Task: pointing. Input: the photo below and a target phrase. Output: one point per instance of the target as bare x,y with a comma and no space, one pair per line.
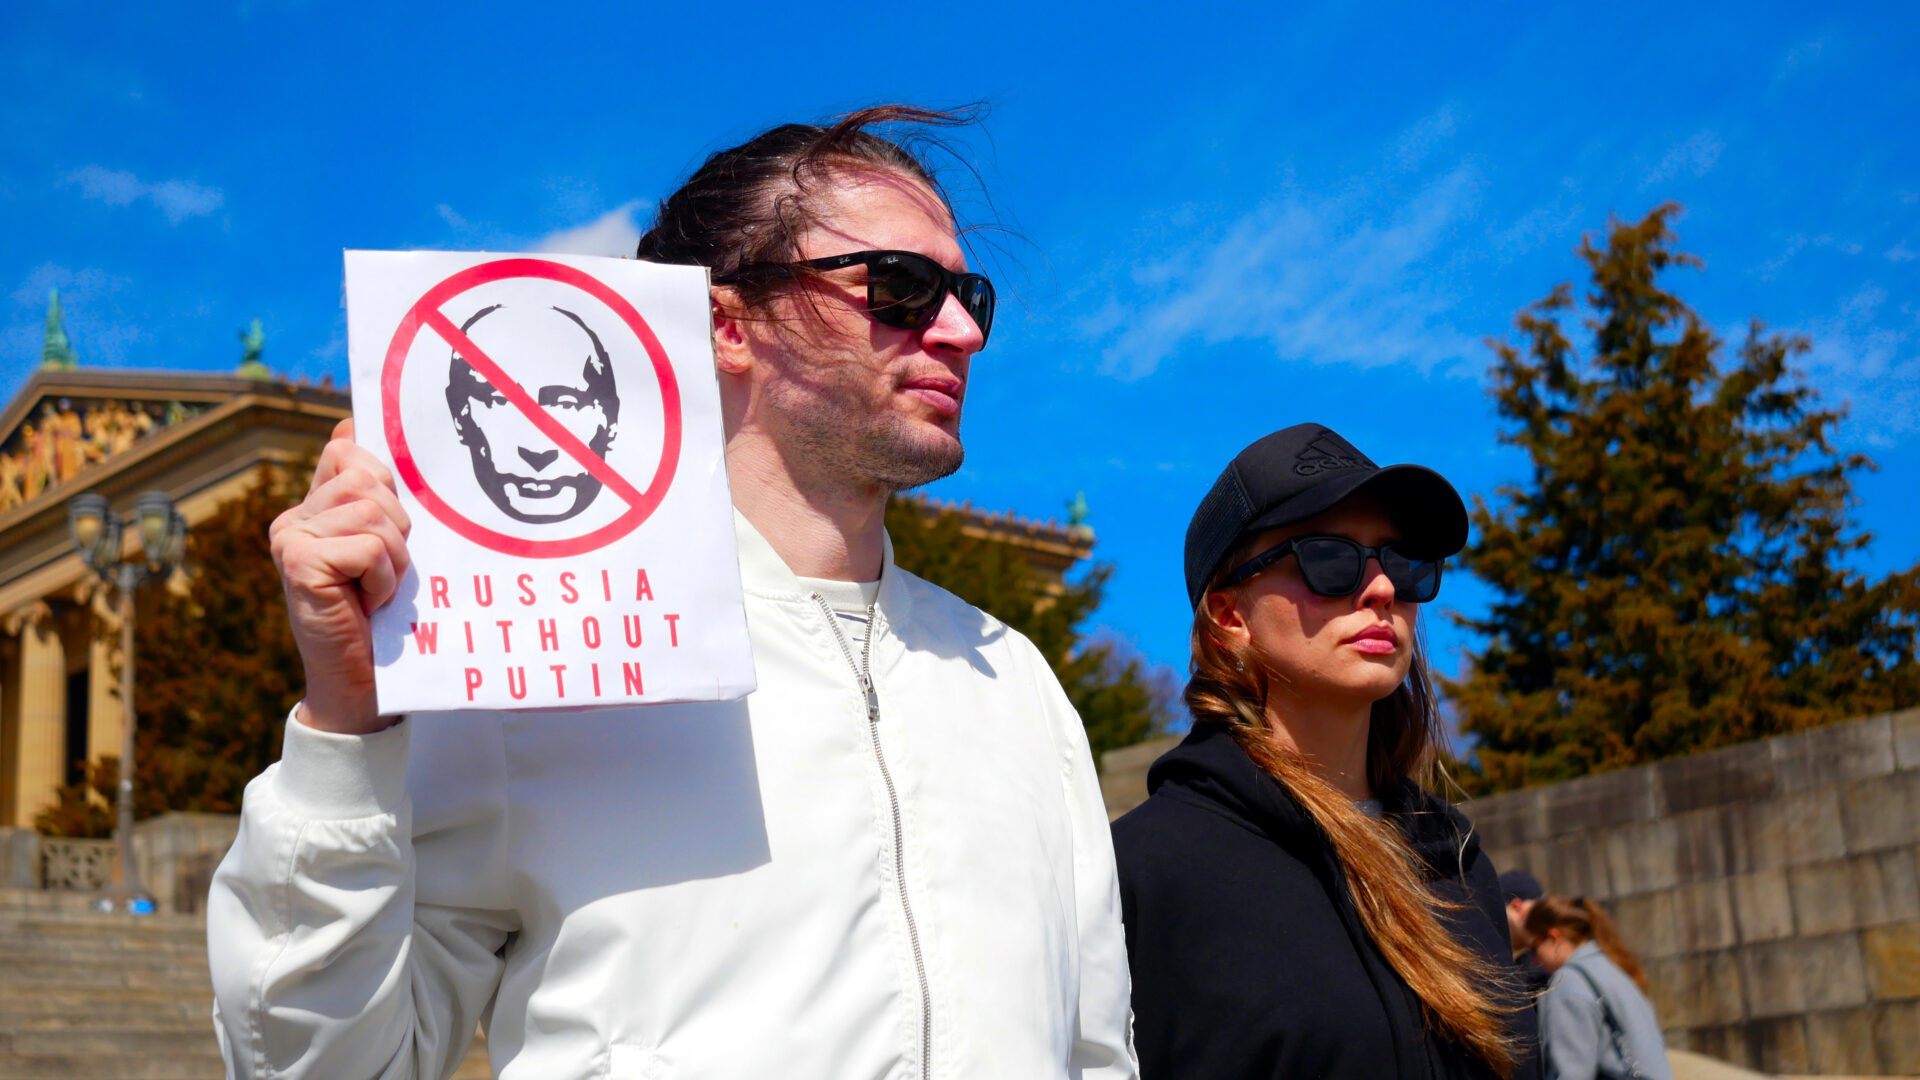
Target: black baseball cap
1520,885
1300,471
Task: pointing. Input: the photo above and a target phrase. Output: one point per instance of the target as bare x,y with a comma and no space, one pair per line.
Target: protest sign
553,425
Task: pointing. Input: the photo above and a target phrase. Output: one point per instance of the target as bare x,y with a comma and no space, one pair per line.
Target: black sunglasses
904,288
1335,566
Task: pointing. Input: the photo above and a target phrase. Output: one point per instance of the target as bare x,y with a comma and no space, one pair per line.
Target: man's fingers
354,484
361,517
342,455
330,568
344,429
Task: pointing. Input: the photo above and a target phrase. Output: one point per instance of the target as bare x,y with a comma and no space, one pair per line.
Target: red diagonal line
551,428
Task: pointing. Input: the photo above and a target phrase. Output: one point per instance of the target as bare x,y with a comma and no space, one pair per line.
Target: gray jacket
1574,1031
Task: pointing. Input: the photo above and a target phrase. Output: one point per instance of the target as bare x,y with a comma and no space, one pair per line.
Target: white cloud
1695,157
1805,54
1867,354
1423,138
451,216
1319,278
177,199
612,233
1900,253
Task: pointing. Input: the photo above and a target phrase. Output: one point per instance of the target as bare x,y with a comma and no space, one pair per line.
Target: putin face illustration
559,361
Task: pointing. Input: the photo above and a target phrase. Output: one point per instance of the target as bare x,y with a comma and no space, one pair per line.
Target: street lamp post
96,533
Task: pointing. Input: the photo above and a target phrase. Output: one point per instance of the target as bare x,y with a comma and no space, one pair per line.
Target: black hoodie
1248,957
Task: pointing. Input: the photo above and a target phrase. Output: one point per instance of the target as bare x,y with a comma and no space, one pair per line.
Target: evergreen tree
1120,698
1676,574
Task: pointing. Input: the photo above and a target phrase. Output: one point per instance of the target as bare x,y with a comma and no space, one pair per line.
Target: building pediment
64,423
195,436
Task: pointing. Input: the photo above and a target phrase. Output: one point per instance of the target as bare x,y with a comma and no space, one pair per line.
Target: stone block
1778,1045
1595,802
1703,917
1732,774
1841,1042
19,858
176,854
1835,754
1893,960
1723,1042
1881,812
1575,866
1702,849
1800,828
1696,991
1640,857
1896,1035
1762,906
1906,740
1886,886
1507,820
1648,924
1784,978
1823,897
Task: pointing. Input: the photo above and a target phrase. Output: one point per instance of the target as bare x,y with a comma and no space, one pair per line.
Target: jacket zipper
862,671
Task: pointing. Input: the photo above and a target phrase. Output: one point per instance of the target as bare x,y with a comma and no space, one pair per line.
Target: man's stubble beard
837,442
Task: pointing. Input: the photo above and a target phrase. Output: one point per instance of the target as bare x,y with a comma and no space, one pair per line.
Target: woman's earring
1239,664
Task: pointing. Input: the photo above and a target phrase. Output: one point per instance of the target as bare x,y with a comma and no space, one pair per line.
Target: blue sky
1222,221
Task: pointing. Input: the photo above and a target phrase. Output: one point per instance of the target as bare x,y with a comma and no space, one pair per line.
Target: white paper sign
553,424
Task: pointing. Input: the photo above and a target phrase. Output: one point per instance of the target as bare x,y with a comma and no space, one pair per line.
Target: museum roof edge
136,383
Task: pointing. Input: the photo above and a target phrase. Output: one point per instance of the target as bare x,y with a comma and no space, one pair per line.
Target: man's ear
1223,607
732,349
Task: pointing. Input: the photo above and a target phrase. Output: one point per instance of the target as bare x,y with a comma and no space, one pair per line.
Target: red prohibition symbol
427,312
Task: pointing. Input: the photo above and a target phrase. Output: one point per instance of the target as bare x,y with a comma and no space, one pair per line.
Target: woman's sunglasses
904,289
1336,566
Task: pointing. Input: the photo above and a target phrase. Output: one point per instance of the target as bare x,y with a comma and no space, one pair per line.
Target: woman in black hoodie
1296,905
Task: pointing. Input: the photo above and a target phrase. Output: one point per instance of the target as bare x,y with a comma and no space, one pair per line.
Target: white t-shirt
849,599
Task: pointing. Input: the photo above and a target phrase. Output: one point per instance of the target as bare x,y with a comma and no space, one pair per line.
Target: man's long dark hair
751,203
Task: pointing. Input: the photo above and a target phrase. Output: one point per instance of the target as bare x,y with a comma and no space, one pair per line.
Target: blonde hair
1457,987
1582,920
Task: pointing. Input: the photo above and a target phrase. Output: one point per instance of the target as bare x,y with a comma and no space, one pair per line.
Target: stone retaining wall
1770,887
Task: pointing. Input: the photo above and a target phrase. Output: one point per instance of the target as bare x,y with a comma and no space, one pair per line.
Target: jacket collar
1208,766
765,574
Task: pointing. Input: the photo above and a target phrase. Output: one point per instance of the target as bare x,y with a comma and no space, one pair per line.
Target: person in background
1595,1020
1295,904
1521,889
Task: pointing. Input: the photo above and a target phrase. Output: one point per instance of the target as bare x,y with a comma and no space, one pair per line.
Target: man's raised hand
341,553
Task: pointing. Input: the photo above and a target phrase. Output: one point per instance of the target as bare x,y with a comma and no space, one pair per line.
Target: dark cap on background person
1304,470
1520,885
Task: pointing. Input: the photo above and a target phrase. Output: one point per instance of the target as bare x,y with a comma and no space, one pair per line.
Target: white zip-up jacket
823,880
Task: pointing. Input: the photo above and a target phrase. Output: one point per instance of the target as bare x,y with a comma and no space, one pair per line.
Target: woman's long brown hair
1582,920
1458,988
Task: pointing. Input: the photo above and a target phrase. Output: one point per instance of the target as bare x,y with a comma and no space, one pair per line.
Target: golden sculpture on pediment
64,440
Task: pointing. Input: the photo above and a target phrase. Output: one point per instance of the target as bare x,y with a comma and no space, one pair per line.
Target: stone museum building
197,437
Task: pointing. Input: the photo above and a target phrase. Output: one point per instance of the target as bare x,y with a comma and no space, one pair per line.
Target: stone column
9,727
43,713
105,720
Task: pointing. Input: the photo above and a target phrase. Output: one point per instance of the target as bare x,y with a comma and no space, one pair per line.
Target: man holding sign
889,860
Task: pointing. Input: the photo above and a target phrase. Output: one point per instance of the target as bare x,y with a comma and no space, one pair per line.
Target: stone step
47,976
169,937
13,996
183,1015
84,1067
85,954
111,1042
114,926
